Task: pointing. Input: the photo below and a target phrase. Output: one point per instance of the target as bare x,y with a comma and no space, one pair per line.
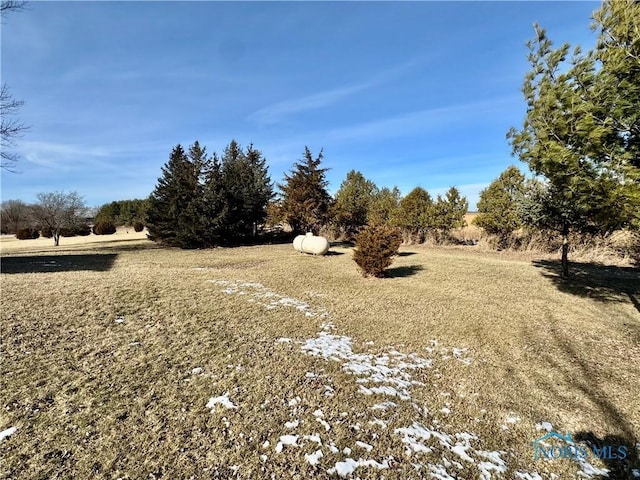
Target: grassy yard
123,360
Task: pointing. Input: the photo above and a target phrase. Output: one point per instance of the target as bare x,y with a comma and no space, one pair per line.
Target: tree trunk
56,238
565,250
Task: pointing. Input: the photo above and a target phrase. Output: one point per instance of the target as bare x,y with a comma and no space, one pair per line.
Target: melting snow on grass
432,450
387,373
8,432
267,298
221,400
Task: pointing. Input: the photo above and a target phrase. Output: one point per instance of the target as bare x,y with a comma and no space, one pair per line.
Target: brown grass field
123,360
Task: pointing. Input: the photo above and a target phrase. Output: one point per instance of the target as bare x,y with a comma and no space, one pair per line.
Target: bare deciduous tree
15,214
10,127
58,210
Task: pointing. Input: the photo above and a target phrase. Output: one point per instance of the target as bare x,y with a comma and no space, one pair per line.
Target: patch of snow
384,405
291,440
292,424
544,426
512,419
445,410
318,413
495,464
439,472
196,371
349,466
389,372
461,450
313,458
346,451
119,320
322,422
267,298
8,432
263,458
528,476
635,472
378,422
266,444
221,400
313,438
366,446
283,340
294,401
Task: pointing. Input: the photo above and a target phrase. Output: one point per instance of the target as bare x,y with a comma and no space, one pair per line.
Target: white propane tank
309,243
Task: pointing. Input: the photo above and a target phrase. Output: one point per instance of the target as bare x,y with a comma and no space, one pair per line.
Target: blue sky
409,93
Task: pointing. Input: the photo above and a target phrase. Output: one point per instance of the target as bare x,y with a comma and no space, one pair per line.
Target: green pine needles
204,201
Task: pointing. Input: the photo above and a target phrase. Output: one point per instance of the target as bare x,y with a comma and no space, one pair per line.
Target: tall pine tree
248,189
174,216
305,200
352,203
581,128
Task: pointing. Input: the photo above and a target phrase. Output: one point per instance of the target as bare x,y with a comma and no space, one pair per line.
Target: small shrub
375,245
67,232
27,234
46,232
104,227
138,226
82,230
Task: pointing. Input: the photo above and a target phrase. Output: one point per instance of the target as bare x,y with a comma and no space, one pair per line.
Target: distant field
123,360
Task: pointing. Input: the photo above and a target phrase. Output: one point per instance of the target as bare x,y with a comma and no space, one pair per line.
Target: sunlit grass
98,363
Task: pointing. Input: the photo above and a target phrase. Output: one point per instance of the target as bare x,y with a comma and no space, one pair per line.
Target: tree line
203,201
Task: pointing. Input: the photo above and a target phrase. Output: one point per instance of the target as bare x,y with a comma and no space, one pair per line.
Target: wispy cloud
421,120
276,112
63,156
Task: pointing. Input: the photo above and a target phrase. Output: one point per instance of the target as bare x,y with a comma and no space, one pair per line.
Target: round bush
82,230
46,232
138,226
375,245
27,234
105,227
67,232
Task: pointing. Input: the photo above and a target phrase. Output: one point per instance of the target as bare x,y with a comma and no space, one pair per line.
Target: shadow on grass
406,254
406,271
333,253
573,376
620,453
343,244
592,280
57,263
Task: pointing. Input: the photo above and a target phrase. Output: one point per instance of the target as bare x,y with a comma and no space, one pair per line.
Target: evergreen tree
214,203
305,200
449,211
174,216
581,130
248,189
384,208
498,205
415,215
352,203
260,191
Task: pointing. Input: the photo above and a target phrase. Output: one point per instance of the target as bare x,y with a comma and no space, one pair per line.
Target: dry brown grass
95,398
